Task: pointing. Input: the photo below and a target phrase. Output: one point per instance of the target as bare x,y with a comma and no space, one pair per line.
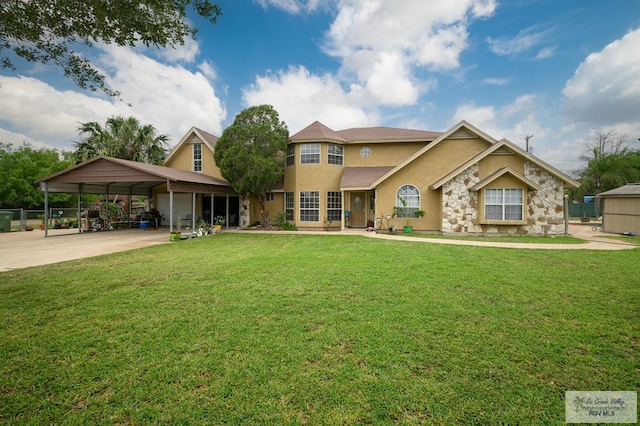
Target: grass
295,329
634,239
525,239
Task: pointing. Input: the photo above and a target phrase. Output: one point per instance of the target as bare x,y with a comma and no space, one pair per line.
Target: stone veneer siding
543,210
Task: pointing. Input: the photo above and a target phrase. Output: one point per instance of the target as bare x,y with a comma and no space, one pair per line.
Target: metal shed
107,175
621,209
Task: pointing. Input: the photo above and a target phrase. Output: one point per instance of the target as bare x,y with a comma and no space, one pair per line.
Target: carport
107,175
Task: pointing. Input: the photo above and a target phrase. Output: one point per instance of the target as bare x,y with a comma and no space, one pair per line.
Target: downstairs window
503,204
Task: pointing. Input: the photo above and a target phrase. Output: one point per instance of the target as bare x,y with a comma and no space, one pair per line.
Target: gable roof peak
206,137
317,131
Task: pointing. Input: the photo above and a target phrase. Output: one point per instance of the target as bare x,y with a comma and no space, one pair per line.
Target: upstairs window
310,153
291,155
336,154
197,157
503,204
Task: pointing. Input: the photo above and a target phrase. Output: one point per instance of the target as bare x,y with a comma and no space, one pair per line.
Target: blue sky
562,70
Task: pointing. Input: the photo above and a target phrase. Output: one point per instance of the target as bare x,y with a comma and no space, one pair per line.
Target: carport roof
113,175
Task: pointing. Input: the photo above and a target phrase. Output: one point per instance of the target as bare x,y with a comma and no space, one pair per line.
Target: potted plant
204,228
407,213
175,235
42,224
218,223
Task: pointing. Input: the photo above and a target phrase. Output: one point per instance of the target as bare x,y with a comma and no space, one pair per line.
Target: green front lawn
525,239
290,329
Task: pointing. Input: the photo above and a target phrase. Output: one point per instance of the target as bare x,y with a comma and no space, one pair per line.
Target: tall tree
609,163
121,138
251,153
21,167
49,31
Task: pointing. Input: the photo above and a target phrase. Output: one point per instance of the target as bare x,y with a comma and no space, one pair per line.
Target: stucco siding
389,154
493,162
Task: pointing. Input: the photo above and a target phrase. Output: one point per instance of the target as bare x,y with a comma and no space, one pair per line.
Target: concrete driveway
25,249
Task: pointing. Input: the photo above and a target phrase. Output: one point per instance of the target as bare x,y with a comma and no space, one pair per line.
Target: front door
358,209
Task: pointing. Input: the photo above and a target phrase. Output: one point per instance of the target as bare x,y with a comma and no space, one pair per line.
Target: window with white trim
411,195
310,153
271,197
288,205
505,204
291,155
334,206
197,157
309,206
335,154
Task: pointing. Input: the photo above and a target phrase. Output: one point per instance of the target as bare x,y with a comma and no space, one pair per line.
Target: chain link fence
27,220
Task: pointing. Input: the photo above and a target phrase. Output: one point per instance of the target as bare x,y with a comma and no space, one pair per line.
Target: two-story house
463,179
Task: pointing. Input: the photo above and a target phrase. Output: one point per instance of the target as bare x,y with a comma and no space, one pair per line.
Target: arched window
411,197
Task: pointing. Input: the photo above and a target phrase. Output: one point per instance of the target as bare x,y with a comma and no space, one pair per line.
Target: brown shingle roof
208,137
372,134
361,177
318,131
114,175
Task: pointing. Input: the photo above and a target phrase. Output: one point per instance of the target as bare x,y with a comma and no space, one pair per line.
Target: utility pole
528,148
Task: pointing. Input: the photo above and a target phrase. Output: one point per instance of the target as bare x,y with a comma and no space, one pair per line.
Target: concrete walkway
595,241
25,249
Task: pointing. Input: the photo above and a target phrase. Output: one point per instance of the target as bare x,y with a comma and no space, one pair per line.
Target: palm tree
121,138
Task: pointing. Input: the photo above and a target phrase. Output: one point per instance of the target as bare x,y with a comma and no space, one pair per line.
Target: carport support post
46,209
79,216
170,211
211,214
566,215
193,212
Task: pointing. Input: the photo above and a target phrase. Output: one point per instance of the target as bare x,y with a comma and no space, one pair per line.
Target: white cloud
523,41
18,139
35,108
208,70
182,53
605,89
302,98
384,45
482,117
496,81
171,98
381,46
386,79
523,116
292,6
546,52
